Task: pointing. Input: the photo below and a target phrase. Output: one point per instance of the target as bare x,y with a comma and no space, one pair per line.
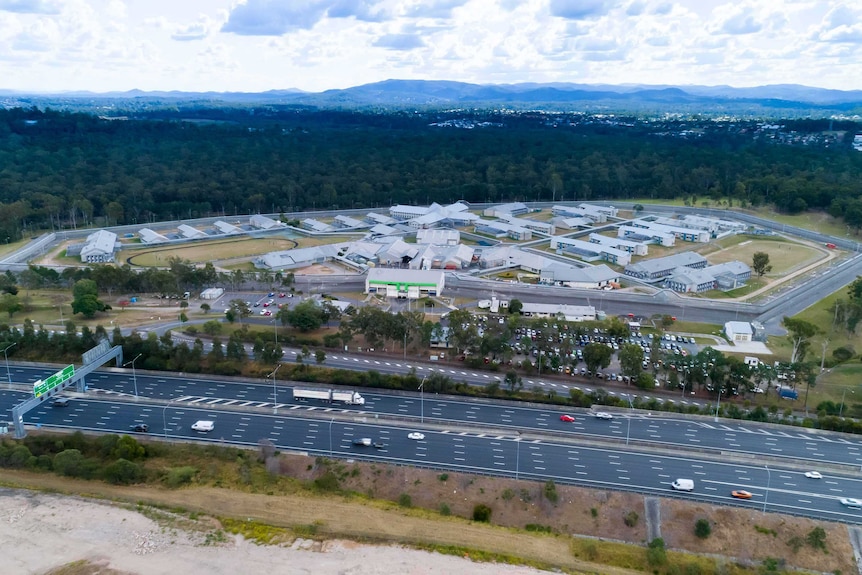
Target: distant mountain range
781,99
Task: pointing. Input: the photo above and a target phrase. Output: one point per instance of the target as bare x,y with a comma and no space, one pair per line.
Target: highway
635,427
564,458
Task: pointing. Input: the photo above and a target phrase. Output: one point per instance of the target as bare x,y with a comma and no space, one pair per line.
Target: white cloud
320,44
30,6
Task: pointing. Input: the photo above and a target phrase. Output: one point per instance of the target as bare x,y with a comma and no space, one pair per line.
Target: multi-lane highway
484,437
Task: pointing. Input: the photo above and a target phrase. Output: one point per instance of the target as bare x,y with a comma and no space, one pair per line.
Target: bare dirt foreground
43,533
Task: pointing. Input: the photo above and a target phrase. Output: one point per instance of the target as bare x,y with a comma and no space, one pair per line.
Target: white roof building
262,222
189,232
315,225
227,228
738,331
411,284
440,237
148,236
572,222
587,277
510,209
636,248
100,247
569,312
375,218
588,251
534,225
341,221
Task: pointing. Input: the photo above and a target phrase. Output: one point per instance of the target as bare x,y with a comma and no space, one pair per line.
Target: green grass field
783,256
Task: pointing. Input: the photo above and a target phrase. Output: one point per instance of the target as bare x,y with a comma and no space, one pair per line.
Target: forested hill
59,170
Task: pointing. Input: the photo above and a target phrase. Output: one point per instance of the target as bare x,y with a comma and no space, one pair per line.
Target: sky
315,45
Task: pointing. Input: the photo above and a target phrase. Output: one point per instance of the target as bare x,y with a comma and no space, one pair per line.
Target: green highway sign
40,387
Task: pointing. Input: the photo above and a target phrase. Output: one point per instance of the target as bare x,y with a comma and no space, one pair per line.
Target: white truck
203,426
330,395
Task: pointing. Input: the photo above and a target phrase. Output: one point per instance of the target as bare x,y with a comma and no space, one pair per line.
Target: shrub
128,448
796,543
844,353
631,519
702,528
404,500
444,510
69,462
179,476
539,528
550,491
507,494
327,482
123,472
443,476
594,512
482,512
817,538
656,554
19,456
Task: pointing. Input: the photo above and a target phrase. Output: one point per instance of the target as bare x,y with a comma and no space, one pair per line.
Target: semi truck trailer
330,395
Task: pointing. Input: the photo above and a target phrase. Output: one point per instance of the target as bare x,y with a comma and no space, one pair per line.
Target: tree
513,380
597,355
206,307
515,306
306,316
212,327
86,298
702,528
760,263
10,304
320,356
800,333
631,359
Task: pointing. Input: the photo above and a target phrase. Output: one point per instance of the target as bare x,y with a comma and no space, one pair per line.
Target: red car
282,294
567,418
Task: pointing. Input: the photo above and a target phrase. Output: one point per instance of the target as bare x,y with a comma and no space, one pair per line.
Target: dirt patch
314,269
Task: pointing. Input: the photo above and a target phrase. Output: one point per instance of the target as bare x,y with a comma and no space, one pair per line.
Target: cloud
30,6
580,9
401,42
364,10
663,9
841,25
274,17
195,31
434,8
636,8
741,22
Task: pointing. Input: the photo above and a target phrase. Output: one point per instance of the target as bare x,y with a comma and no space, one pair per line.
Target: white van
683,485
203,425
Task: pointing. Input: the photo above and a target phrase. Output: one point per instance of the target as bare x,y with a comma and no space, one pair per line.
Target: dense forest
61,170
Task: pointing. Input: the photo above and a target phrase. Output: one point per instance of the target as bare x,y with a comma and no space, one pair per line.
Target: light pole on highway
134,373
422,400
518,455
165,418
768,481
6,357
629,427
840,411
330,436
274,389
718,403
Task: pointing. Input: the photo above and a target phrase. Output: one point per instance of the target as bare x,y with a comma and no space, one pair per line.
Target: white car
604,415
416,436
852,503
813,475
203,426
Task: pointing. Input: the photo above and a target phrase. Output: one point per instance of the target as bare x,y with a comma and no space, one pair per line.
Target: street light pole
330,436
840,411
518,455
6,357
718,403
629,427
134,373
164,418
422,400
768,481
274,390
